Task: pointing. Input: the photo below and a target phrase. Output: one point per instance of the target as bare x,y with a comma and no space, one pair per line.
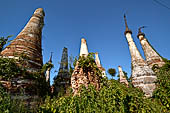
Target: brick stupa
83,77
28,42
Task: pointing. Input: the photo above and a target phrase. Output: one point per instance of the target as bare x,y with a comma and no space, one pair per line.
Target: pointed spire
127,30
152,57
28,42
51,57
83,49
97,60
64,61
122,76
141,72
62,80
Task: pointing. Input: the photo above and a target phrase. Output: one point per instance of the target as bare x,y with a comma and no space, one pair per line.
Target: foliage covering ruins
25,81
112,97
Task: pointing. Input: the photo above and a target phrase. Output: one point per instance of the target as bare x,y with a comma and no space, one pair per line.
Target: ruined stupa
28,42
152,57
123,79
63,79
97,60
142,75
82,76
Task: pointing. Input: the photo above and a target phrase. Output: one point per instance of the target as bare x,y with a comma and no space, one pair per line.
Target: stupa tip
39,11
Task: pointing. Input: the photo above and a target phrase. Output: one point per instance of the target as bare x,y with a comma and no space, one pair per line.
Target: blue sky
99,21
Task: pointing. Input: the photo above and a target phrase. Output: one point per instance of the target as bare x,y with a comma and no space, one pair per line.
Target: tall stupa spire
83,48
64,61
63,79
122,76
152,57
127,28
28,42
142,75
135,54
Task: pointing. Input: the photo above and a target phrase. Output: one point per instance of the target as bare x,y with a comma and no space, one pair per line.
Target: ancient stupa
142,75
152,57
63,79
28,42
83,77
123,79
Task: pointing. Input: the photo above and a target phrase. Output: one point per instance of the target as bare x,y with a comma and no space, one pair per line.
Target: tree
4,41
112,72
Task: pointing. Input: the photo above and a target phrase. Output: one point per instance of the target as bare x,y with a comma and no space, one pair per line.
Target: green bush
162,93
113,97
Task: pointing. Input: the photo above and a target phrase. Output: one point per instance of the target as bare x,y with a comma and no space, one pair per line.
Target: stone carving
152,57
28,42
122,76
142,75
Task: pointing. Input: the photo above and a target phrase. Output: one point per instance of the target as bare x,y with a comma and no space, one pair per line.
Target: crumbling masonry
28,42
83,77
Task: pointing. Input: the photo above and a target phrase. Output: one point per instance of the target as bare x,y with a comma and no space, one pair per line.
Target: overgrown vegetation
162,93
112,96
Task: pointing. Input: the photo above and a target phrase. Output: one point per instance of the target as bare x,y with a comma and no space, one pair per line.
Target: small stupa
123,79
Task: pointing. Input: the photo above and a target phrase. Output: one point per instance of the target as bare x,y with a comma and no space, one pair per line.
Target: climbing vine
88,63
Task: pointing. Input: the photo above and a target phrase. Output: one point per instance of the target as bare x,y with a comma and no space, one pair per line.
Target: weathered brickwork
83,77
28,42
22,89
123,79
152,57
